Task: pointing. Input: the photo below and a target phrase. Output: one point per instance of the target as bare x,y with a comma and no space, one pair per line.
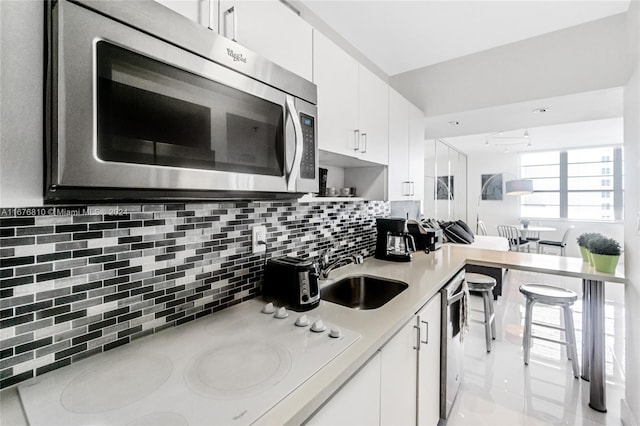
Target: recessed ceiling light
454,123
540,110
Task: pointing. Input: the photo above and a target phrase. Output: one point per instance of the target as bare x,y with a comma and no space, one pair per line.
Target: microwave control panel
308,163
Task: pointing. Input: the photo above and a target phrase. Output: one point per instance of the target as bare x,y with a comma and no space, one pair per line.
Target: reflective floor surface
498,389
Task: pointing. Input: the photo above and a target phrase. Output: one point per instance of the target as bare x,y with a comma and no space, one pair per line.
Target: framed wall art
444,188
491,188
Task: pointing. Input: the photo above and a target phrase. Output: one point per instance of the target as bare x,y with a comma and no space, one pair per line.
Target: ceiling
544,138
400,36
584,107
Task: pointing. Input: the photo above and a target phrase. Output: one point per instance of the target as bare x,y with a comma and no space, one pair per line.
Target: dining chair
532,236
556,244
482,229
512,234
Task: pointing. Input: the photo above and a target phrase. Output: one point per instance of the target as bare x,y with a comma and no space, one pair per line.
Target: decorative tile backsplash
75,281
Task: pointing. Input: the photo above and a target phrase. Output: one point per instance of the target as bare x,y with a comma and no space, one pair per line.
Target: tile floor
498,389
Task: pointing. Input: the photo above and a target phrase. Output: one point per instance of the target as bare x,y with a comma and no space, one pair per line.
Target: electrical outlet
258,234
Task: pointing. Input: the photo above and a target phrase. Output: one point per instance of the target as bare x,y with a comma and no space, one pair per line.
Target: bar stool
553,296
484,285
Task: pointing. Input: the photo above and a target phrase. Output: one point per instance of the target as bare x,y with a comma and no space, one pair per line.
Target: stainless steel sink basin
362,291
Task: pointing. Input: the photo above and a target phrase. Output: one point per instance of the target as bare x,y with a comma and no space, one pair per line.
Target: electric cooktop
227,368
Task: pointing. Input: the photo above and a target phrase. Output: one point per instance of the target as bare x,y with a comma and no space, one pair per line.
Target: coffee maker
393,242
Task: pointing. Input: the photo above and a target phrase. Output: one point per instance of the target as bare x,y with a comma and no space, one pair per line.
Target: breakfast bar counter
593,288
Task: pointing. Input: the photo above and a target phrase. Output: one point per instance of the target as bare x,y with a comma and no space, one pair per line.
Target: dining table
535,228
593,302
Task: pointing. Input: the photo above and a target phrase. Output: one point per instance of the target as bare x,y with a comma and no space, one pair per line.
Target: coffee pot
393,242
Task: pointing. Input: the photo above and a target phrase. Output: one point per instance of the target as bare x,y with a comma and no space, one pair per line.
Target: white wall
631,403
507,211
492,212
21,103
574,60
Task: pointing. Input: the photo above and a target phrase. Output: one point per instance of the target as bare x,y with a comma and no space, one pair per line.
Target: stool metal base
484,285
552,296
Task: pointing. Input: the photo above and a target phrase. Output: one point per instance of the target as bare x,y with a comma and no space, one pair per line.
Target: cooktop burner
227,368
134,377
238,370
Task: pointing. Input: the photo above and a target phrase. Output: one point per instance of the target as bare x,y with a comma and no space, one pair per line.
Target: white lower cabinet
410,371
398,391
400,385
429,362
357,403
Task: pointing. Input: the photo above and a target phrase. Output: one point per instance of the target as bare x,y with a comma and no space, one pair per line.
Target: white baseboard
626,415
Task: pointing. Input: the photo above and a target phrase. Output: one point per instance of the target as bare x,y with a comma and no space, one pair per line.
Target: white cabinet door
429,363
272,30
357,403
336,74
398,379
399,118
416,152
203,12
373,117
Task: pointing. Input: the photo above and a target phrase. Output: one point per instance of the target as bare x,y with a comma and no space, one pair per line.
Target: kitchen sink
362,291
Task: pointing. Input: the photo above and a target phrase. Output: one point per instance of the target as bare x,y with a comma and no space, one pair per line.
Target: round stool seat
549,295
479,282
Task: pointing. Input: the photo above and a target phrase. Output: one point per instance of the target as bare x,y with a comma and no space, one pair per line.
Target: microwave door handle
292,175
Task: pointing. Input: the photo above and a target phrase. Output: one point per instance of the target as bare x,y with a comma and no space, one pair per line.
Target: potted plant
583,244
605,253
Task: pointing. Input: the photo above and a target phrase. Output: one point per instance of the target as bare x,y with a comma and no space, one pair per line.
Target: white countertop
425,274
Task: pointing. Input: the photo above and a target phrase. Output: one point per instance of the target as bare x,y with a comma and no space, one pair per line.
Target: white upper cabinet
416,152
271,29
399,119
203,12
373,117
352,104
336,75
268,27
406,149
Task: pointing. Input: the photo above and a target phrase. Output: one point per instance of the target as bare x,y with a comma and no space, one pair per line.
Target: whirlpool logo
236,56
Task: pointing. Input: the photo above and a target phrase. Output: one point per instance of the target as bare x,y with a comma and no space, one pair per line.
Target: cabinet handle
411,192
407,188
231,11
356,140
364,143
417,347
212,15
426,341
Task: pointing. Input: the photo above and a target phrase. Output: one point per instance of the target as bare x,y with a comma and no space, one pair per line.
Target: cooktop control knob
268,308
318,326
281,313
302,321
335,333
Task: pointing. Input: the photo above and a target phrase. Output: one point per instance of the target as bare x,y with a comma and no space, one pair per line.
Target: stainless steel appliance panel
219,130
452,347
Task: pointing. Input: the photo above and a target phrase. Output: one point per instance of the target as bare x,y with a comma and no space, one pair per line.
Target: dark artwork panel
444,188
491,187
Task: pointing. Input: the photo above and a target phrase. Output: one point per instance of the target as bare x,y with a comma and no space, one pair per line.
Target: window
581,184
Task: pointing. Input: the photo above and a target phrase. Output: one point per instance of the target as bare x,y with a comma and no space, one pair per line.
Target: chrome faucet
326,266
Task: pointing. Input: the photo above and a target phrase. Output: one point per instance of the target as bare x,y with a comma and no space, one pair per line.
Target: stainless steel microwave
142,103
